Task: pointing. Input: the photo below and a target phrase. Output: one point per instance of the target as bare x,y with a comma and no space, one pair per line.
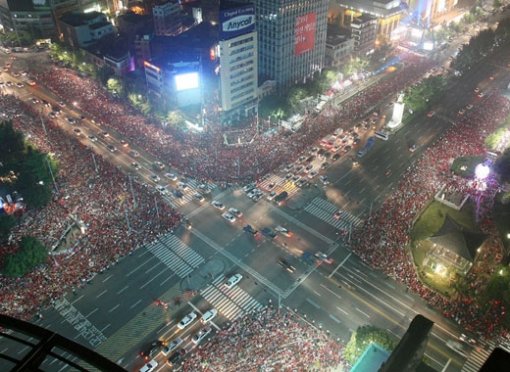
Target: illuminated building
167,17
387,12
426,12
339,47
291,38
364,34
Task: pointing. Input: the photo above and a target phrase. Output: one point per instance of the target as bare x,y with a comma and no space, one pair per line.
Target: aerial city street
254,185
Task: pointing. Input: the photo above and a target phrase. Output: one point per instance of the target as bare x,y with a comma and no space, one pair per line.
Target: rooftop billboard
236,21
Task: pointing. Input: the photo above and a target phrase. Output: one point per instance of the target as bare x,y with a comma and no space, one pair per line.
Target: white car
235,212
162,189
134,153
198,196
92,138
229,217
271,195
151,366
233,280
312,174
187,320
172,346
208,316
283,230
182,185
171,176
155,178
216,204
201,335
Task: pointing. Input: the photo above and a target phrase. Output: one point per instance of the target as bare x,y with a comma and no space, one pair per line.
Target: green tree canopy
363,337
31,254
6,224
502,166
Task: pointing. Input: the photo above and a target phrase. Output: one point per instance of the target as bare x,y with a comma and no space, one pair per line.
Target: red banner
304,33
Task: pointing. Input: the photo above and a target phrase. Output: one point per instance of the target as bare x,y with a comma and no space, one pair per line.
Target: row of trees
420,96
31,253
481,45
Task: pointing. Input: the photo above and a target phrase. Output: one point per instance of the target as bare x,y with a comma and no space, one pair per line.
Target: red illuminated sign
304,33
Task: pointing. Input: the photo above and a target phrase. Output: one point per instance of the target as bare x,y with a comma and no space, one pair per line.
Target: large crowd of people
268,340
383,240
92,195
204,155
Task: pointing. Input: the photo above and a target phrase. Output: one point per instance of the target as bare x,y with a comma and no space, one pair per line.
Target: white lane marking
313,303
153,278
78,299
342,310
136,303
317,293
92,312
107,326
108,277
362,312
339,265
139,266
114,308
334,318
330,291
102,293
123,289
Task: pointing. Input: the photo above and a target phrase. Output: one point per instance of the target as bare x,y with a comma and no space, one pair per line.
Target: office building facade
291,39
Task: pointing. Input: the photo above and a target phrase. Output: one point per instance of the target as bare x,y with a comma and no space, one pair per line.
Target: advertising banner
304,33
236,21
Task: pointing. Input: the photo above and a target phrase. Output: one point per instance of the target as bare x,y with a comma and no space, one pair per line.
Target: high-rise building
167,17
292,39
238,61
364,34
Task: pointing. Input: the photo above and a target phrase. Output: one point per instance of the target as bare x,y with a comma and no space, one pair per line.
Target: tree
296,95
12,145
496,3
363,337
31,254
115,86
6,224
502,166
34,180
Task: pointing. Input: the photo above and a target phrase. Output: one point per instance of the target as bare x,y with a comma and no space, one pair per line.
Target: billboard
186,81
236,21
304,33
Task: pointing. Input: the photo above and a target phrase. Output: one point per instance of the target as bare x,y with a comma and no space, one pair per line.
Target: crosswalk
179,257
280,184
192,189
478,357
231,303
325,210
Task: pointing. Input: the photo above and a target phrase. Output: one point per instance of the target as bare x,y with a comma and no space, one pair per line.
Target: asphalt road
116,312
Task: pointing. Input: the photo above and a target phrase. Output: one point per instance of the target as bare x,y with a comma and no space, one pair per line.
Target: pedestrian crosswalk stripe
188,193
232,302
176,255
325,210
280,184
478,357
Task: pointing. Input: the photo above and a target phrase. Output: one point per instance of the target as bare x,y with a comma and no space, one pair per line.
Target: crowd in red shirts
94,201
384,239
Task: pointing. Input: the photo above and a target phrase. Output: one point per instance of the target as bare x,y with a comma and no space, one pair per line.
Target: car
271,195
268,232
135,165
92,138
158,165
412,147
251,193
296,178
35,101
178,193
187,320
324,165
312,174
31,83
337,215
298,169
458,347
335,157
171,176
233,280
199,197
469,107
249,187
46,103
176,357
123,143
467,339
480,95
216,204
172,345
77,131
286,265
250,229
288,176
461,112
71,120
105,134
62,103
111,148
150,366
151,350
52,115
271,185
182,185
229,217
477,90
235,212
283,230
187,224
134,153
208,316
20,85
200,335
431,114
155,178
204,188
324,180
162,189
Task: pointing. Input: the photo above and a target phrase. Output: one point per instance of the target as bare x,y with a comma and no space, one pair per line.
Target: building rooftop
79,19
379,8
